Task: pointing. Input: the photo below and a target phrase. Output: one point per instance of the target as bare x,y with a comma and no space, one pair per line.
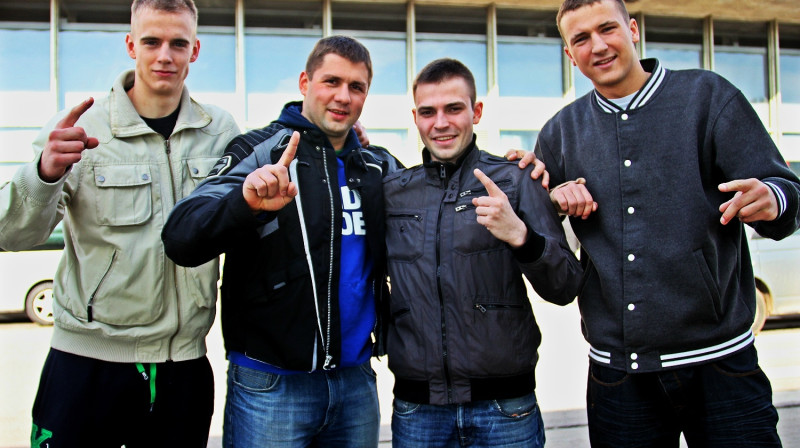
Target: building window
24,59
740,55
790,93
458,33
676,43
215,67
81,76
529,52
382,29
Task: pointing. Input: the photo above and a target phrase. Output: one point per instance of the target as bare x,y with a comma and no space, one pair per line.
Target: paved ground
561,379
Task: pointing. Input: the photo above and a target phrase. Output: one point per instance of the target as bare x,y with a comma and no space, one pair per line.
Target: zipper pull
327,365
480,307
89,310
461,208
442,172
140,368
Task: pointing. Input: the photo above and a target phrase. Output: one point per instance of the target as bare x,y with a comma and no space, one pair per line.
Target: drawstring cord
152,378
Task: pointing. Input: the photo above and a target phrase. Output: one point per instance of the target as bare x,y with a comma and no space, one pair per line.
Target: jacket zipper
445,354
482,189
327,342
404,216
484,307
90,304
168,152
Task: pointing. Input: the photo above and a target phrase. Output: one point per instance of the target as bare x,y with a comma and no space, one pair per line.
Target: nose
598,43
342,94
164,53
441,120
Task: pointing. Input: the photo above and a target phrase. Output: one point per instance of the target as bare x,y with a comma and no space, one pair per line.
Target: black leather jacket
462,328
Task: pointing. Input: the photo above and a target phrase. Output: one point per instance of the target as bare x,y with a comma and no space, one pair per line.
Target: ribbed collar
644,94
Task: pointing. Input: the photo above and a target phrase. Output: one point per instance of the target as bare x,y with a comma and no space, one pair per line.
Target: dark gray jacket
462,328
666,284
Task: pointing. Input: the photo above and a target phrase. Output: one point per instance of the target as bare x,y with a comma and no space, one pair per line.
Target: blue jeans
510,423
337,408
725,403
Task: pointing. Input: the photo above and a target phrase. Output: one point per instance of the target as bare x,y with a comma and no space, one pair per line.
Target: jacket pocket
709,282
204,280
114,290
197,170
405,235
474,237
123,196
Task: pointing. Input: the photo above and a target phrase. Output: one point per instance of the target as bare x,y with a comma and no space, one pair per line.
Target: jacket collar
644,94
126,122
445,170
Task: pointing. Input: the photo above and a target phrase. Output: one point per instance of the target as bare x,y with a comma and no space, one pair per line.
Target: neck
630,85
153,106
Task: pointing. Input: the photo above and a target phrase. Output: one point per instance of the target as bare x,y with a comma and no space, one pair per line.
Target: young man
127,364
461,229
304,262
667,161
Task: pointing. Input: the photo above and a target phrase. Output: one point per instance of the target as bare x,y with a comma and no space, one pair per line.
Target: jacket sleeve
545,258
744,149
215,215
29,207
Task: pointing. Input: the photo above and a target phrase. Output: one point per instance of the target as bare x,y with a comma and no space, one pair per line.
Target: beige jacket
117,295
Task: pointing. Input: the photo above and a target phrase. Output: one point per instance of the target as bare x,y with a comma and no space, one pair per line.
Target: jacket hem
481,389
118,349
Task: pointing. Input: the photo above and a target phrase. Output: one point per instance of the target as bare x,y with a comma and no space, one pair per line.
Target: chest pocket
405,235
197,170
473,237
124,196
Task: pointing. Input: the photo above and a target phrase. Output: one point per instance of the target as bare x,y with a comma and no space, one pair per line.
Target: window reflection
215,68
676,57
274,63
24,60
83,75
740,55
529,68
388,65
471,53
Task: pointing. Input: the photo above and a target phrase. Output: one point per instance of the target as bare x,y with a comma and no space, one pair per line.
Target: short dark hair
165,5
572,5
443,69
343,46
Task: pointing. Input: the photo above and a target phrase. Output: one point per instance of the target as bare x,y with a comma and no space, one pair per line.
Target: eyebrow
583,33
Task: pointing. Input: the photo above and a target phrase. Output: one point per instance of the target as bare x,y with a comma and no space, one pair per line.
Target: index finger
491,187
290,151
74,114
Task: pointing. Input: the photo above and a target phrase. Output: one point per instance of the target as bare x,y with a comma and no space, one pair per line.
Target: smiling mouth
444,138
605,61
339,112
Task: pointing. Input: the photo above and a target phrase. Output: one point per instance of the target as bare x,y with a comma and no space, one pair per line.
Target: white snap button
624,116
627,163
631,257
634,365
630,210
631,307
